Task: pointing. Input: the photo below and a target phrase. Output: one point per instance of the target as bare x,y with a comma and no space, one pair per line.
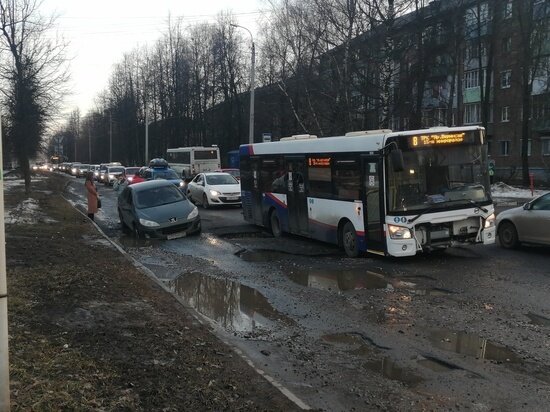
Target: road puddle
437,365
391,370
472,345
433,292
233,306
129,241
338,279
538,319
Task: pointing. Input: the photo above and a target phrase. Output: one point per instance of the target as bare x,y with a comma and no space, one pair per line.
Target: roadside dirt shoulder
88,331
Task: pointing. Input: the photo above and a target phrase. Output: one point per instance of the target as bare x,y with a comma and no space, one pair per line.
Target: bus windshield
438,177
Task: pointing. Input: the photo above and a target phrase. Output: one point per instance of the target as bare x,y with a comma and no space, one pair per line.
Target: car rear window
158,196
165,174
116,169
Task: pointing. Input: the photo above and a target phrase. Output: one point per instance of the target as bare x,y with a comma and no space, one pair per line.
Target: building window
505,147
505,114
472,113
507,11
471,79
507,44
505,79
545,145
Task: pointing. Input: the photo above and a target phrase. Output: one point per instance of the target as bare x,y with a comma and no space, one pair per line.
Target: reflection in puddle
338,279
538,319
437,365
234,306
389,369
472,345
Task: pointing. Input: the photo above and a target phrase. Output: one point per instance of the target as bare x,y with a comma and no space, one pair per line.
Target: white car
529,223
214,188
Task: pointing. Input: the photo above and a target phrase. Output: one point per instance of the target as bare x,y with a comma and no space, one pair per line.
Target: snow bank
26,212
501,189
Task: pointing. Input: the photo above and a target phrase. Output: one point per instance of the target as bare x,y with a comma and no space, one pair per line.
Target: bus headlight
214,193
399,232
490,221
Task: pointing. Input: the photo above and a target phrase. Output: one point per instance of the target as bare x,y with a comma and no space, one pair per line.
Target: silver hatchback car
529,223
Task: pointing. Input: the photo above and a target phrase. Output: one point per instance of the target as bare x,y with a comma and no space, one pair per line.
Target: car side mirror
527,206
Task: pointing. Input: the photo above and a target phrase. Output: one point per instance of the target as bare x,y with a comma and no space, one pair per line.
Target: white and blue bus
383,192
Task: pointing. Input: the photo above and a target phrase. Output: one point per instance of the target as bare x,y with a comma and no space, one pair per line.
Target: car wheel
508,235
205,203
275,224
349,240
138,234
190,197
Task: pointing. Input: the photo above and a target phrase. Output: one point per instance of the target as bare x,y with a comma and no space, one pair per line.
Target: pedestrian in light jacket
93,196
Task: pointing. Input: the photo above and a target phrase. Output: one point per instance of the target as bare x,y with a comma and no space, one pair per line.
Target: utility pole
252,64
4,351
90,143
146,137
110,136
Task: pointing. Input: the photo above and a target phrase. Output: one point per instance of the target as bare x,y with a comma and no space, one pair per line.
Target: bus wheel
275,224
349,240
508,235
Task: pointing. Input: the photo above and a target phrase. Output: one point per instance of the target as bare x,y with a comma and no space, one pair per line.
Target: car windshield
158,196
116,169
132,170
165,174
439,177
221,179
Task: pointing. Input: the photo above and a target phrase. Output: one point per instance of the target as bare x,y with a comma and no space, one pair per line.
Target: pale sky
100,31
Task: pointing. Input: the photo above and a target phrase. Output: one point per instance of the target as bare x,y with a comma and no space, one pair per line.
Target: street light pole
251,120
110,136
146,136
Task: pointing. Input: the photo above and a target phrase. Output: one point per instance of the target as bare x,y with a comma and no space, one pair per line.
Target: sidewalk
88,331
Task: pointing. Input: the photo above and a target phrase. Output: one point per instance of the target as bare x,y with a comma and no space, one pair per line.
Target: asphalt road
464,329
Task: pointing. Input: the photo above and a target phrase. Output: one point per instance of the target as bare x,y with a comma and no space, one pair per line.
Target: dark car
159,209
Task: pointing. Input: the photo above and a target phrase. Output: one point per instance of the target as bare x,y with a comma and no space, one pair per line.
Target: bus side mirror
397,160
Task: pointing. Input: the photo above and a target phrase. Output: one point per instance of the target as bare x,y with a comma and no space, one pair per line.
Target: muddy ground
88,331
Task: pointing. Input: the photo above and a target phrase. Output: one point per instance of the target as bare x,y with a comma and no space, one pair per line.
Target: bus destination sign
439,139
319,162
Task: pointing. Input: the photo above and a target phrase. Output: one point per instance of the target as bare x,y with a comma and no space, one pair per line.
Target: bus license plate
176,235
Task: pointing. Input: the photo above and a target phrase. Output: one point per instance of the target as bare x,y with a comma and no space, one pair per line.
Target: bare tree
34,76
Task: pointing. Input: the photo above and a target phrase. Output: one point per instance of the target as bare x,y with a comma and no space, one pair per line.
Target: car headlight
73,170
399,232
148,223
194,213
490,221
96,174
214,193
182,184
131,179
111,176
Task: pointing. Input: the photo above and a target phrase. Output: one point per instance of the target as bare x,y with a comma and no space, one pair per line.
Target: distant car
529,223
236,173
82,170
159,209
158,169
112,174
75,168
214,188
103,170
130,173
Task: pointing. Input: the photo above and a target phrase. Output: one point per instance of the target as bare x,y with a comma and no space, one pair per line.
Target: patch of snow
15,181
26,212
501,189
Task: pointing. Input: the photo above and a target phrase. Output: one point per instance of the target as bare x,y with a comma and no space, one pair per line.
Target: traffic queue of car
157,202
154,201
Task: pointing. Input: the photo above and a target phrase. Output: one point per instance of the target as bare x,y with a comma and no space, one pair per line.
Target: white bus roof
193,148
367,141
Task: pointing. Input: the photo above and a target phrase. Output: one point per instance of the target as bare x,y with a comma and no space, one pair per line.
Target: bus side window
347,179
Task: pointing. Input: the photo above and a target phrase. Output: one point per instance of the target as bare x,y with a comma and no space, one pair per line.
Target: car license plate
232,198
176,235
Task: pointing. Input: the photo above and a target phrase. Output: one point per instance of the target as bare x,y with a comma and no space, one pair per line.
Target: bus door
296,195
374,203
255,167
